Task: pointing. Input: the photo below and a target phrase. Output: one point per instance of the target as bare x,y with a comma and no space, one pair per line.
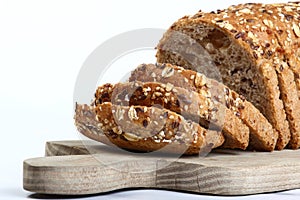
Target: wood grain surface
69,169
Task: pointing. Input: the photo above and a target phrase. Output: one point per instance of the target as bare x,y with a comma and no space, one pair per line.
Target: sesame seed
165,100
132,114
228,26
273,41
162,133
169,87
185,107
157,94
168,141
296,30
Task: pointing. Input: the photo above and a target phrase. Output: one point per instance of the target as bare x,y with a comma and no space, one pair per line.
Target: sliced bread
243,59
262,135
197,107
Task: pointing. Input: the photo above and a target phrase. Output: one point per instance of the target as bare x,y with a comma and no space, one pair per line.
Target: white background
42,47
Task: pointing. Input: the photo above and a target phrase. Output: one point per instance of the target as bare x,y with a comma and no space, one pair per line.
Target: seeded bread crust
170,134
262,135
252,73
189,104
288,33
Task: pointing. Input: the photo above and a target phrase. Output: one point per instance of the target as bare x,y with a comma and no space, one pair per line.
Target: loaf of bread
227,79
252,51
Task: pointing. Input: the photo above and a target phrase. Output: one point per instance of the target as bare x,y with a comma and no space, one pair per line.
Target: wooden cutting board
69,169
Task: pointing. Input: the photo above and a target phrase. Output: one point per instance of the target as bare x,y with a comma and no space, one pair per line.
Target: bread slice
145,129
197,107
241,56
262,135
87,123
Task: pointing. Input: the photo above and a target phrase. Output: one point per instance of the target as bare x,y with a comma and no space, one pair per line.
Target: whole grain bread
244,55
191,105
276,20
262,135
287,18
278,52
145,129
251,48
